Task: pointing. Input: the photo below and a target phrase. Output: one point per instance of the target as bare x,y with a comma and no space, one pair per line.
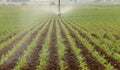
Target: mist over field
59,34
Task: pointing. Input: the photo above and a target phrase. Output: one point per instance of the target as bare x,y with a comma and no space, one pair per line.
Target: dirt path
53,62
70,58
110,59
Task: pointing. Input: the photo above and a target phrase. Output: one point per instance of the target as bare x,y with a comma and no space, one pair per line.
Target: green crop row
61,47
76,50
23,60
44,51
100,58
14,20
107,48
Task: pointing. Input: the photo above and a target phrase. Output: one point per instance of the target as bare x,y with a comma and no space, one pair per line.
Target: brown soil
12,35
94,35
89,58
106,36
117,37
33,60
11,45
70,58
110,59
53,55
9,37
12,61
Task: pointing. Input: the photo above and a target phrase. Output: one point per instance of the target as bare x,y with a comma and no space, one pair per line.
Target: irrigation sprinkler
59,8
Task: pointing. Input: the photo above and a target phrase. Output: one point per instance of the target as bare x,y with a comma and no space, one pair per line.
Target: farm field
84,38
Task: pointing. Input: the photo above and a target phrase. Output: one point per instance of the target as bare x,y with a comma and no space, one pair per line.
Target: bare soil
53,62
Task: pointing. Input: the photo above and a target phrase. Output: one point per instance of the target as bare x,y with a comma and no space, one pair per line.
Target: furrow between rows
53,63
33,59
90,59
70,58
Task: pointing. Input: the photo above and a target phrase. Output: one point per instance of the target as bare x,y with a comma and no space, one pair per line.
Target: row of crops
57,43
60,43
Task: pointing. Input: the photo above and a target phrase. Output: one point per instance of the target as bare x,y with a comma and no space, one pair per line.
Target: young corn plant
61,48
